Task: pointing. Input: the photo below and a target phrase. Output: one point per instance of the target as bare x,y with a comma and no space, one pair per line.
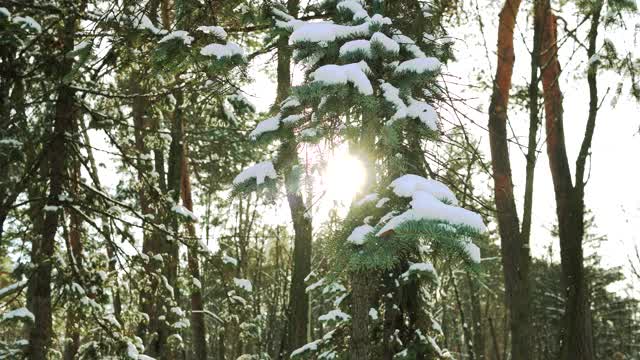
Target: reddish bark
515,255
577,337
40,285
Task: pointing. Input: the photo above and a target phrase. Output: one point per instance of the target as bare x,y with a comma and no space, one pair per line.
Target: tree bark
298,320
75,230
170,244
515,253
577,333
476,318
106,229
466,330
360,305
40,286
149,331
198,329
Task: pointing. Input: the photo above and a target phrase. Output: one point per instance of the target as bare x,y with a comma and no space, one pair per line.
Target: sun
343,177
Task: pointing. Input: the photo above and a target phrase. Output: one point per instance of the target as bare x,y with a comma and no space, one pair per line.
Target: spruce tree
365,84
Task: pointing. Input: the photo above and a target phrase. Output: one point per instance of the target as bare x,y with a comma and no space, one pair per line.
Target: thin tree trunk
476,318
466,330
75,227
149,330
40,286
298,320
198,329
494,338
170,245
106,230
577,333
515,253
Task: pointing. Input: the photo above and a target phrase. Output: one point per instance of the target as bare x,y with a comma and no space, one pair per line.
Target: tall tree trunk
360,305
75,231
466,330
515,253
106,229
40,285
577,333
198,329
170,244
298,319
149,330
476,318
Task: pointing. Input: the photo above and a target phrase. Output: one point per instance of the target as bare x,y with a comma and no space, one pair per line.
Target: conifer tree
365,83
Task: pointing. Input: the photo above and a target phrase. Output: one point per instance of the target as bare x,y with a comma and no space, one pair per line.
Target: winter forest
319,179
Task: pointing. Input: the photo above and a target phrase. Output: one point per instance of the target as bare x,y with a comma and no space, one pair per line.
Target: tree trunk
466,330
40,285
106,229
149,331
577,333
170,244
476,318
75,230
298,298
298,320
515,253
198,329
360,305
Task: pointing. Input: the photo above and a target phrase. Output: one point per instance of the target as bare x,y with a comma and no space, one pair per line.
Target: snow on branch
343,74
419,65
259,171
359,234
178,35
268,125
427,204
20,314
220,51
216,31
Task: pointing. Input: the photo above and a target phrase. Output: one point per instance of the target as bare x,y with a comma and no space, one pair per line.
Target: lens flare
343,177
